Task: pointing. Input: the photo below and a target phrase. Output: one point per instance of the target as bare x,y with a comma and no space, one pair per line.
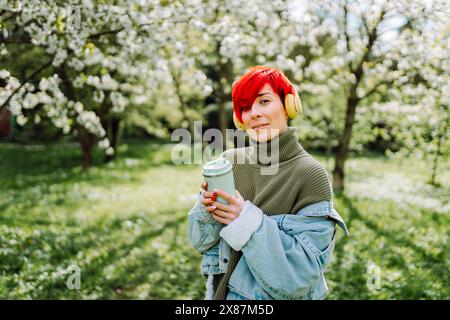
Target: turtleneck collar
286,143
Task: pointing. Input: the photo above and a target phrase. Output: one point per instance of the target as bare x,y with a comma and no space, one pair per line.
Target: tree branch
347,37
10,16
103,33
106,32
36,72
372,37
375,87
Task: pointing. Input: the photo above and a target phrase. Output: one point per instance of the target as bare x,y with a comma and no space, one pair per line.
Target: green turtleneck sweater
298,180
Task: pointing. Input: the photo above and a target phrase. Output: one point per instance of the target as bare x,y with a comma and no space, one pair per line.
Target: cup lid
216,167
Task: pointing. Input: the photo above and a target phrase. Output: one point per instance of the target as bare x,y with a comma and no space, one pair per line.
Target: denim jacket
284,256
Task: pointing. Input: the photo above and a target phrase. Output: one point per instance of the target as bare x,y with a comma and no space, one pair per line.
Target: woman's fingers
210,208
206,193
222,214
228,197
212,195
220,219
207,201
222,206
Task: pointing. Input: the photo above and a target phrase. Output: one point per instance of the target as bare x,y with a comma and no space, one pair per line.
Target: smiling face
266,118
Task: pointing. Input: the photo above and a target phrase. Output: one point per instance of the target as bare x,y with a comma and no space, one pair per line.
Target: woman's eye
265,101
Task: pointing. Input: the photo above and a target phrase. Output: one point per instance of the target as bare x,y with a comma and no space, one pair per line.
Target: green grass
124,225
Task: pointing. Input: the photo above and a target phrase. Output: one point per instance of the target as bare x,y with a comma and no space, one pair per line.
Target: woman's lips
259,127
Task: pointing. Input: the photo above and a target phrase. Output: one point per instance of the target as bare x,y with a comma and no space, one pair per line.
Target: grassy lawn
124,225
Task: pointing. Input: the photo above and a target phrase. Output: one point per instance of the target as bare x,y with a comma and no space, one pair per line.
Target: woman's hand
221,212
208,197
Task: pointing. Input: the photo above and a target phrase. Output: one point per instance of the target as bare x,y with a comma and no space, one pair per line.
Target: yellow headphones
292,105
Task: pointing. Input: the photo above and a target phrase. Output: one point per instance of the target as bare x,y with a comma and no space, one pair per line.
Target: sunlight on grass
125,225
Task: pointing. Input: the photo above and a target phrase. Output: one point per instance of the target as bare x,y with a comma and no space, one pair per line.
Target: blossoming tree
93,60
365,56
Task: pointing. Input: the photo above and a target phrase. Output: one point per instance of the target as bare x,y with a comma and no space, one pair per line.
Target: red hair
246,89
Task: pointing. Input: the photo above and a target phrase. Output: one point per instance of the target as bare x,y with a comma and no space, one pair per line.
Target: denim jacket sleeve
203,229
298,246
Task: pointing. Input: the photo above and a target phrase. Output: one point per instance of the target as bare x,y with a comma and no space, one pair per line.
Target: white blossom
103,144
4,74
119,101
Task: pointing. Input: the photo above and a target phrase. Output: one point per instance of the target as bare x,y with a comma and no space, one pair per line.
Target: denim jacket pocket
326,256
322,247
224,255
215,260
243,283
210,261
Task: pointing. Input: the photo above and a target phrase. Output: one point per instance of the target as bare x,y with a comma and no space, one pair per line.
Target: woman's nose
255,111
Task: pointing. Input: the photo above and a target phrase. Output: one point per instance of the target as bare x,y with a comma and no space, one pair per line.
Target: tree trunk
329,148
186,118
224,77
111,128
86,139
352,102
113,137
176,76
343,146
441,134
223,123
435,163
184,105
86,143
6,123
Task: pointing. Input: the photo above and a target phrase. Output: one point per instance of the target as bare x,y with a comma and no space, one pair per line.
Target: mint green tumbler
218,174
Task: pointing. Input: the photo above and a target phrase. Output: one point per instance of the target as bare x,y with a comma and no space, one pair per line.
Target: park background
91,91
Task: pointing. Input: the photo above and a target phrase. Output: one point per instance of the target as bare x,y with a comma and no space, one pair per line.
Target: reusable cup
218,174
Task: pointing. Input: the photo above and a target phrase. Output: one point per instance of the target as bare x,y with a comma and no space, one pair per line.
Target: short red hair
246,89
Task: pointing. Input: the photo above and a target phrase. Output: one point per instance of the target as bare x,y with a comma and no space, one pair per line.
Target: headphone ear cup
292,105
237,124
289,106
298,104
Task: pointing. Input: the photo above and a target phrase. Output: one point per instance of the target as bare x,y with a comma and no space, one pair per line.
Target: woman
276,236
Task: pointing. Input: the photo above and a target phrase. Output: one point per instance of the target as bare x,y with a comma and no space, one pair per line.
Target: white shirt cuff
240,230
